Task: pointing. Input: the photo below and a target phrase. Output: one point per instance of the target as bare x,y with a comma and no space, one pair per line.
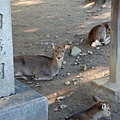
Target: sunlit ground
26,2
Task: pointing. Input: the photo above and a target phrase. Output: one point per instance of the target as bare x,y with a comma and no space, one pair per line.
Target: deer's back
97,33
32,64
78,116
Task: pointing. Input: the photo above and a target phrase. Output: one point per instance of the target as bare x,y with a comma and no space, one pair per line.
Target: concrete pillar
7,86
115,42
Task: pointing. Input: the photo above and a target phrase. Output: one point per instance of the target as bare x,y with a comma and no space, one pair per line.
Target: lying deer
38,66
99,35
98,110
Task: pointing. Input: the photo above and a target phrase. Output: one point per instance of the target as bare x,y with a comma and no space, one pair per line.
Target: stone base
112,87
26,104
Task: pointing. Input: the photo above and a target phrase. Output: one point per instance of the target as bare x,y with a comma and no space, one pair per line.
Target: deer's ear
53,46
96,98
103,106
67,47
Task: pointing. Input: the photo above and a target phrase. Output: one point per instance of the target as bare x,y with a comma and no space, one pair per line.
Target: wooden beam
115,42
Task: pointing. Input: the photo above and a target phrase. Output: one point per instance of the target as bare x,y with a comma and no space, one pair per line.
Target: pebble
55,94
48,36
81,40
46,43
78,76
97,48
73,79
82,26
90,52
75,63
60,98
77,43
83,54
104,6
64,62
37,85
75,51
84,67
68,73
76,60
67,82
99,9
93,67
57,37
70,42
63,106
29,82
56,109
78,57
75,83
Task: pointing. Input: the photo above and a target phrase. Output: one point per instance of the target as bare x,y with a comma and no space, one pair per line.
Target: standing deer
38,66
100,109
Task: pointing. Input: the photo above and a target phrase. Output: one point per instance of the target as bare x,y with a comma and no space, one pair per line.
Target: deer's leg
106,40
20,76
96,43
42,77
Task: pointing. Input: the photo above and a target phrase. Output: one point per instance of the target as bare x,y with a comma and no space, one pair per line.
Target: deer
100,109
39,67
99,35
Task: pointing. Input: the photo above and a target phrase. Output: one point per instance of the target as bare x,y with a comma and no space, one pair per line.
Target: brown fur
93,113
38,66
99,33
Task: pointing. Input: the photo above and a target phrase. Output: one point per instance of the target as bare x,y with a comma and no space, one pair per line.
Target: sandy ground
39,23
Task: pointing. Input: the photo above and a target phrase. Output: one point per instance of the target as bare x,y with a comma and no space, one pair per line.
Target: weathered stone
56,109
75,51
75,83
6,51
48,36
63,106
60,98
84,67
67,82
90,52
68,73
64,62
26,104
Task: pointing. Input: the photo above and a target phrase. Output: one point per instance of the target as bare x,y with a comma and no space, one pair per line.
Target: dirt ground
39,23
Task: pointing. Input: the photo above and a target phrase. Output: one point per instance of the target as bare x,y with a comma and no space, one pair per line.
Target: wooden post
113,83
115,42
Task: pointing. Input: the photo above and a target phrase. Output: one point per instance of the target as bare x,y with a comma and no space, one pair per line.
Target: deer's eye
62,51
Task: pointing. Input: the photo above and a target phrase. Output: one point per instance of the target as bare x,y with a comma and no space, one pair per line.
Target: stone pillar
7,86
26,104
115,42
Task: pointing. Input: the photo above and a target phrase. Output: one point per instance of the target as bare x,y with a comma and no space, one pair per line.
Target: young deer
98,35
38,66
98,110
